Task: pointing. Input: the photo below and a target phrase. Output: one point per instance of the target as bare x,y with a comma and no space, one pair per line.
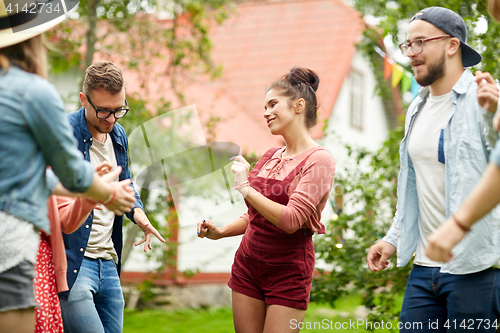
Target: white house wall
374,124
340,131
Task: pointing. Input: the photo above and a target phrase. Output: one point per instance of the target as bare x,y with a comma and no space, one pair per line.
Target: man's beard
100,130
436,72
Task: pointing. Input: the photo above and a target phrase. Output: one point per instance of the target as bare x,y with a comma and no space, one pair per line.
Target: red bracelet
244,184
460,225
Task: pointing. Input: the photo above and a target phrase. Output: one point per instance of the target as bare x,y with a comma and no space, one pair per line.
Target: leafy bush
368,194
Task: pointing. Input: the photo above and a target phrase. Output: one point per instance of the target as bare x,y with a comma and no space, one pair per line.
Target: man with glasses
448,137
95,302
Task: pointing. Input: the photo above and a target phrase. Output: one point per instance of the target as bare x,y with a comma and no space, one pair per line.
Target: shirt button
75,271
90,139
81,250
84,140
84,153
87,226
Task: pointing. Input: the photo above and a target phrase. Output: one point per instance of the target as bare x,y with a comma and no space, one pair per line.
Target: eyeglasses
103,114
417,46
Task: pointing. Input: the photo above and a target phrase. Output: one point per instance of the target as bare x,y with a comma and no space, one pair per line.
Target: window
356,100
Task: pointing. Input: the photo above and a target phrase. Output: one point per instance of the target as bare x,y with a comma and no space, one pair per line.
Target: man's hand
496,122
443,240
378,255
487,91
103,168
142,221
123,194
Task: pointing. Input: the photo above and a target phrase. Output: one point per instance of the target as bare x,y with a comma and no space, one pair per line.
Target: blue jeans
440,302
95,302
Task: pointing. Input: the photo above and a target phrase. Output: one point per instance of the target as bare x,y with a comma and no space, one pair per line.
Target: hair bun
300,83
304,75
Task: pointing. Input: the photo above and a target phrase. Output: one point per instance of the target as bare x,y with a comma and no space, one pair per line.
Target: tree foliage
368,199
395,16
162,53
368,190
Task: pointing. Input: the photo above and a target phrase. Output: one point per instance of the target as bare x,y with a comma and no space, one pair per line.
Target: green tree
365,198
172,49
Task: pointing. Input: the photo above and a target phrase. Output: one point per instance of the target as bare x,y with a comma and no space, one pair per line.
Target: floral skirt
48,315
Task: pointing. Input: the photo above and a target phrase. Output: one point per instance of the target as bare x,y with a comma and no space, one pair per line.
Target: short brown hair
29,55
103,75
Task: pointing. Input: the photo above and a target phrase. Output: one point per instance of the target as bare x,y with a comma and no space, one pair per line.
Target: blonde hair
29,55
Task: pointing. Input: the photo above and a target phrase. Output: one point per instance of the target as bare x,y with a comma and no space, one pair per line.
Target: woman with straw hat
34,134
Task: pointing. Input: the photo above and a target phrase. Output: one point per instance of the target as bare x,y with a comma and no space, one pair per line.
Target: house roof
258,43
262,41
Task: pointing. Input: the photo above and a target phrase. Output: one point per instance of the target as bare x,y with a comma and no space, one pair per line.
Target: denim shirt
465,145
35,134
76,243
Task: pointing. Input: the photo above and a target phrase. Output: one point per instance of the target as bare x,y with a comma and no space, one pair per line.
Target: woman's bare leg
249,314
282,319
19,321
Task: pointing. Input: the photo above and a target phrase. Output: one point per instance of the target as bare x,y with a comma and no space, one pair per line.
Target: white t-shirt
428,162
100,244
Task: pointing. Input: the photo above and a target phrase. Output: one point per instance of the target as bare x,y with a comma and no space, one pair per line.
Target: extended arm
209,230
483,198
73,212
315,183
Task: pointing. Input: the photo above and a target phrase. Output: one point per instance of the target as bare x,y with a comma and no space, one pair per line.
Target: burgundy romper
270,264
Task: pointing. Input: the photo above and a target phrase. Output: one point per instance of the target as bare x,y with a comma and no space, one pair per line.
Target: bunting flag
415,87
406,82
397,74
387,67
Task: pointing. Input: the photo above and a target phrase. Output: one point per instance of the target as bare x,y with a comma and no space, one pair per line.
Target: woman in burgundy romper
285,193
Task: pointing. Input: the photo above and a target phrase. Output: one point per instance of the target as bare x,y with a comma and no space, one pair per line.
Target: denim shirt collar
460,87
83,124
115,134
464,82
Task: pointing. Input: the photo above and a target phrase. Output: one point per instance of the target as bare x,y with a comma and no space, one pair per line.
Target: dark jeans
440,302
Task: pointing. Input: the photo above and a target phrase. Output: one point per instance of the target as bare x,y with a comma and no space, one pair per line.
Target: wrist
241,185
458,222
222,232
110,199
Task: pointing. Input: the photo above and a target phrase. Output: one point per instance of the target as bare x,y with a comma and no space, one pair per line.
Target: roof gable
262,41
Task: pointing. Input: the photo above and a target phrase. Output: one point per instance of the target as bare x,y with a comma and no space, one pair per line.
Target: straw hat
23,19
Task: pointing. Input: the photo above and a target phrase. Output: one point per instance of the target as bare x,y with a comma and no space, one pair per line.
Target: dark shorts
16,287
285,282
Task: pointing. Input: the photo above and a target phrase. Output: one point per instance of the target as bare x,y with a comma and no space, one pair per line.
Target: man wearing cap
445,149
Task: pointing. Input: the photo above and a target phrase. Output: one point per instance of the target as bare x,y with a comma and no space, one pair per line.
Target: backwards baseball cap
454,25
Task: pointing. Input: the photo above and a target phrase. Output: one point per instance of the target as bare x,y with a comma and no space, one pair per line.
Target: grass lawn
319,318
